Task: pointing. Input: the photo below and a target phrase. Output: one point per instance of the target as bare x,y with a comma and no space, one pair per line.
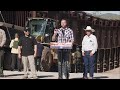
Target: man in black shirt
27,49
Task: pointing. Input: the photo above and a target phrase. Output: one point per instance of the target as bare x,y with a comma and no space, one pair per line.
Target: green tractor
43,28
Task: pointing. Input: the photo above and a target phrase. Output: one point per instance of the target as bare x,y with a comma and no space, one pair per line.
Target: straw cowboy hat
88,28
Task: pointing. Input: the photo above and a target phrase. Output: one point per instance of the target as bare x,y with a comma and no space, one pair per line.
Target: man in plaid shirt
63,35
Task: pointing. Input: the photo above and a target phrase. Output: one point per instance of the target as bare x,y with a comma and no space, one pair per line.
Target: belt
89,51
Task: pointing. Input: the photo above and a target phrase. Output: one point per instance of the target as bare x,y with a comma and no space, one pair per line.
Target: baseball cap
27,29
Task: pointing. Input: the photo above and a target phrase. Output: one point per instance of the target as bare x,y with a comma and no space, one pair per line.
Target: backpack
15,44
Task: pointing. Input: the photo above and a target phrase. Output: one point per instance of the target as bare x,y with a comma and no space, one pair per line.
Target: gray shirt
2,38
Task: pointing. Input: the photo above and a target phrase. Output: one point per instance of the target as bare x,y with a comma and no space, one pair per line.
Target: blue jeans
88,64
63,63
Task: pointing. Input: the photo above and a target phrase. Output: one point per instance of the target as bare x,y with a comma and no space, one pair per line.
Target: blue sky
103,12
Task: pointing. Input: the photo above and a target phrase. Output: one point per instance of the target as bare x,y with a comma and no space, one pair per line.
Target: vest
15,44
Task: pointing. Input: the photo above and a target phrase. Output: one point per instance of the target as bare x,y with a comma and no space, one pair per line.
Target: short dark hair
65,20
16,34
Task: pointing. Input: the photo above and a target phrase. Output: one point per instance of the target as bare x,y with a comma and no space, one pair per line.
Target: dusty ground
113,74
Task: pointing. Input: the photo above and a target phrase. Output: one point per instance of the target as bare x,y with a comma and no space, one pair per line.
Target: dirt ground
113,74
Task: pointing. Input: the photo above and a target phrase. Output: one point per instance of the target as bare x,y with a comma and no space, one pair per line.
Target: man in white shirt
14,51
89,47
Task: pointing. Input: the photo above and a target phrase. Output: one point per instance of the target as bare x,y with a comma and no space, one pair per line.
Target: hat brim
90,30
26,30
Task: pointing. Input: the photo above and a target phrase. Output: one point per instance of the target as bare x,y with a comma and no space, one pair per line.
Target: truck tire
46,59
7,60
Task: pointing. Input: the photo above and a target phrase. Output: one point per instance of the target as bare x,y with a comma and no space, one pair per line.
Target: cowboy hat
88,28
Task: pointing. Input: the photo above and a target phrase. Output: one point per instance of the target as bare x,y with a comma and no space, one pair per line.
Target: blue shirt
40,48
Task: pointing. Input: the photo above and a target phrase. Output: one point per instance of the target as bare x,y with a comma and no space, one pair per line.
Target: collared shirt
13,50
27,44
2,37
89,43
65,35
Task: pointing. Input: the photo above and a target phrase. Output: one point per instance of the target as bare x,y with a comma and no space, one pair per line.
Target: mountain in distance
110,16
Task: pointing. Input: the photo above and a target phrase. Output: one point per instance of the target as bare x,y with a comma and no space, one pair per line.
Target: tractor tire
46,59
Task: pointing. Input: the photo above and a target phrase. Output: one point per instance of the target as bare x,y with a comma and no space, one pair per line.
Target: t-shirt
40,48
14,50
27,44
15,44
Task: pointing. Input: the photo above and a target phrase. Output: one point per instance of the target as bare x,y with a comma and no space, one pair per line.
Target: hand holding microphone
55,32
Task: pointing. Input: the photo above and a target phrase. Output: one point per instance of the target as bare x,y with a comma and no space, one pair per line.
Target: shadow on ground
76,78
13,75
23,74
100,77
45,76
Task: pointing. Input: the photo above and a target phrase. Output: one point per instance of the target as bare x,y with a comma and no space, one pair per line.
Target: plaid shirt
65,35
